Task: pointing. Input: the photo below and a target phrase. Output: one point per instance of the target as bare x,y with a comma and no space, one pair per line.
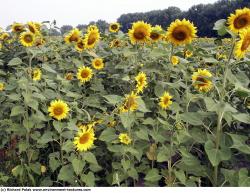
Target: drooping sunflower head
130,103
201,80
17,27
39,41
84,74
97,63
4,36
69,76
140,32
85,139
141,82
240,20
58,109
243,45
2,86
79,46
181,32
32,27
175,60
36,74
124,138
114,27
27,39
73,36
91,37
165,100
156,33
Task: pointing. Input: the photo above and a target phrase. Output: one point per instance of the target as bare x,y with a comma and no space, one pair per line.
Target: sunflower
97,63
114,27
84,74
175,60
140,32
32,27
155,34
58,109
188,54
4,36
124,138
141,82
165,100
36,74
2,86
39,41
243,45
38,25
69,76
43,169
201,80
240,20
73,36
115,43
27,39
17,27
79,45
181,32
130,103
85,139
92,37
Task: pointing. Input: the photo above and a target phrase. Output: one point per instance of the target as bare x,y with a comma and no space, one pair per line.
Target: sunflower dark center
114,27
130,102
80,45
165,100
201,81
179,35
28,38
84,138
246,43
241,21
139,34
154,36
98,63
18,28
74,38
91,39
84,74
58,110
32,29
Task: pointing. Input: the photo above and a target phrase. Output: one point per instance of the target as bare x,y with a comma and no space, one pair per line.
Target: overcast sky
75,12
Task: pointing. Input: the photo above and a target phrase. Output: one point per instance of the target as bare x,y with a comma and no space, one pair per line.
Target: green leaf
17,110
36,167
90,157
141,106
53,163
216,156
242,117
244,179
15,62
78,165
164,154
68,146
181,176
239,143
133,173
48,68
192,118
108,135
153,175
89,179
125,164
46,137
210,104
66,174
127,119
22,146
113,99
142,134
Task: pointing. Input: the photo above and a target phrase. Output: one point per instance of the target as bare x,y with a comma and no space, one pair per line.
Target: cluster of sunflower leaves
118,109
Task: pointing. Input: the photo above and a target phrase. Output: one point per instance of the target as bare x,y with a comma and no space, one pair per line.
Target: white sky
75,12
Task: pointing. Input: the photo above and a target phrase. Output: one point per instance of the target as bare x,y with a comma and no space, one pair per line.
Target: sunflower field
151,107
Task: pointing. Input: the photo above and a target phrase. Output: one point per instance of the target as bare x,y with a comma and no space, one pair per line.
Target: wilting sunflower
84,74
130,103
141,82
39,41
155,34
181,32
201,80
240,20
97,63
69,76
85,139
73,36
2,86
140,32
165,100
32,27
58,109
243,45
115,43
124,138
114,27
27,39
17,27
92,37
175,60
79,45
36,74
4,36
